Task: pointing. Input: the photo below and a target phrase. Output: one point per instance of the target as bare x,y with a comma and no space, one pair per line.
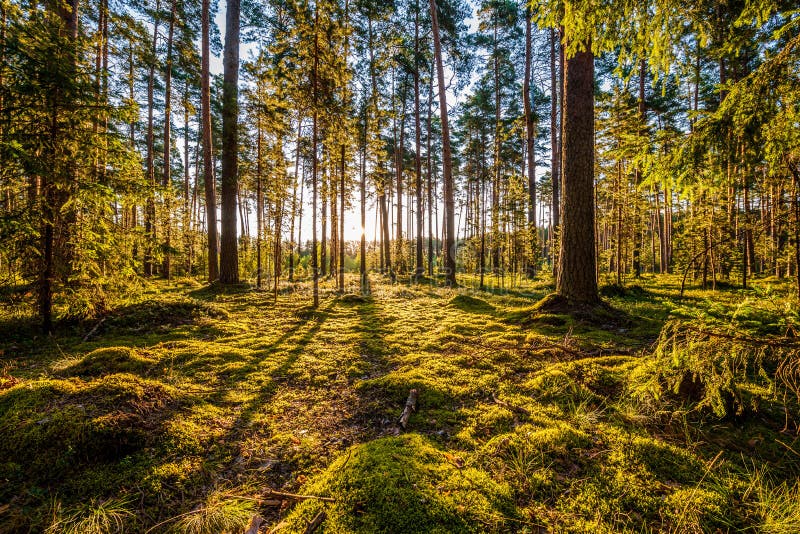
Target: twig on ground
411,406
93,330
509,406
316,522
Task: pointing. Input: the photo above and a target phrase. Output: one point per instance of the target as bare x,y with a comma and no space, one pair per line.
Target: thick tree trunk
496,239
229,249
208,159
577,273
447,165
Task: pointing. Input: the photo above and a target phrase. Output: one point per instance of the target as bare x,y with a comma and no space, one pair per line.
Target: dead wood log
411,406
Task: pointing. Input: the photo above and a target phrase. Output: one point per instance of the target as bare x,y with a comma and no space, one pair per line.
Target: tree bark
418,268
577,275
208,160
530,141
166,176
150,208
229,249
555,161
447,165
314,72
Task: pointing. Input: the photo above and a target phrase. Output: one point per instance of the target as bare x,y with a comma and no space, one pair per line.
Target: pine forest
399,266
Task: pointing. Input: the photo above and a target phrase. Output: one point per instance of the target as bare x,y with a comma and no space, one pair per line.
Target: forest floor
192,409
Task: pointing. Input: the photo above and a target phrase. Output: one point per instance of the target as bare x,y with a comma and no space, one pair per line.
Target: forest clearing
402,266
187,407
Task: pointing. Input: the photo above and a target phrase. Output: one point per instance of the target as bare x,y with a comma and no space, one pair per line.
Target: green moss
110,360
178,391
55,426
405,484
470,304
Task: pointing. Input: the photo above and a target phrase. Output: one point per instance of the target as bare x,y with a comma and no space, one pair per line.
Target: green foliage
726,373
218,513
105,517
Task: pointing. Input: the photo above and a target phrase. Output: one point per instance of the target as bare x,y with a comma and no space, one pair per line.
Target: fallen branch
93,330
316,522
509,406
411,406
295,497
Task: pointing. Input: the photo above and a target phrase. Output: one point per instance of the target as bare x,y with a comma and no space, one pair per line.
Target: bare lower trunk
229,249
447,166
208,160
577,274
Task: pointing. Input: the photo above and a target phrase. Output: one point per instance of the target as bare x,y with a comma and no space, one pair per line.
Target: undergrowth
190,409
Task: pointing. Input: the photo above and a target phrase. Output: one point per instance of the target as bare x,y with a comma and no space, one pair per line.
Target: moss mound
471,304
52,427
405,484
110,360
162,314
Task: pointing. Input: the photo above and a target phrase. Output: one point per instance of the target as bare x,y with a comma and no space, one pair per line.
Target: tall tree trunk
530,141
323,246
495,242
447,165
796,222
637,174
363,202
341,217
229,249
208,159
555,161
259,201
166,176
399,163
314,73
431,184
186,218
577,273
385,235
418,269
294,197
150,209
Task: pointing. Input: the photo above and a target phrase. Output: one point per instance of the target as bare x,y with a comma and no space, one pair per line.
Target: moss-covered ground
192,409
